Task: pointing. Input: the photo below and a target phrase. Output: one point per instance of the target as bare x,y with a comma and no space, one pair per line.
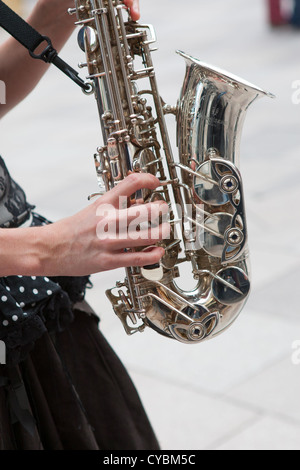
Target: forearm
21,251
37,251
51,19
18,70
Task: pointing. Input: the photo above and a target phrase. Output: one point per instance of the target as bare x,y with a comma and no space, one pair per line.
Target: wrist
33,251
19,252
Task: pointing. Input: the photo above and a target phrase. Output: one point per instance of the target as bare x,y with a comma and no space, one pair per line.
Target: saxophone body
203,186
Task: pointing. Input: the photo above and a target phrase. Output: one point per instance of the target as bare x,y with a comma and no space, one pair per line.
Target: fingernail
162,251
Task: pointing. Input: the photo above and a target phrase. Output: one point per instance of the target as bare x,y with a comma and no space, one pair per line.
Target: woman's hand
101,237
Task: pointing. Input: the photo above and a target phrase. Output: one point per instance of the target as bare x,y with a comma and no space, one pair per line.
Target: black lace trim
14,209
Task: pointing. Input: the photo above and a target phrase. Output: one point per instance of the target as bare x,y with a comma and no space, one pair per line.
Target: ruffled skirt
72,393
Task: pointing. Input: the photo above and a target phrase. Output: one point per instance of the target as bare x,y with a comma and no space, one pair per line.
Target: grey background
241,390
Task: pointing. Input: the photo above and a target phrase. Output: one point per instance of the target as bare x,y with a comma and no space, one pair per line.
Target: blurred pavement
240,391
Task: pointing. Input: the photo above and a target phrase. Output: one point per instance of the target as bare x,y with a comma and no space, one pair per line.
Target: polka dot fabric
30,306
20,295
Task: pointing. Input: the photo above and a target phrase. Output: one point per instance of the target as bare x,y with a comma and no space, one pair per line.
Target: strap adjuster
48,54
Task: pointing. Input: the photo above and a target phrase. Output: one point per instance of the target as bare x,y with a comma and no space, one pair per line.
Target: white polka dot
5,323
33,304
35,291
14,318
49,292
8,288
22,304
4,298
22,289
20,276
46,279
33,278
25,314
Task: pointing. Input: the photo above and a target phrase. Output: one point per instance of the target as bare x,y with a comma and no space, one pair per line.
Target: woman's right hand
100,237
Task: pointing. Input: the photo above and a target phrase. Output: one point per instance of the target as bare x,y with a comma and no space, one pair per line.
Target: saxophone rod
226,283
196,173
159,299
186,301
204,227
210,230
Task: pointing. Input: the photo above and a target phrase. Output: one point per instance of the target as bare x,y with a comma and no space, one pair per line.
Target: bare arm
18,70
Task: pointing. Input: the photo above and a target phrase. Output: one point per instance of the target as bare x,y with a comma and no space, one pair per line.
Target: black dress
62,387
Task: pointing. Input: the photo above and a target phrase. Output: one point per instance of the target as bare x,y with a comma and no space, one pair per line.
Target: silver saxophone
203,187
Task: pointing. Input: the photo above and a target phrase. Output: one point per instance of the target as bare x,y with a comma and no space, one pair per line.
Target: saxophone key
231,285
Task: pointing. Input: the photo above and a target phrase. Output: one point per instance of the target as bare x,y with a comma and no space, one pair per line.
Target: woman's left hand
134,6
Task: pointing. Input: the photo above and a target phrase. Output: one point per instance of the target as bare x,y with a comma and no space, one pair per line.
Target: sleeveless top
30,306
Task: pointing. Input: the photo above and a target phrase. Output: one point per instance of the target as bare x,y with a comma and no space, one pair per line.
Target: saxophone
203,187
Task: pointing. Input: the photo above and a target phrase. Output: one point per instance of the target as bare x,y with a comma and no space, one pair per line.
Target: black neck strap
31,40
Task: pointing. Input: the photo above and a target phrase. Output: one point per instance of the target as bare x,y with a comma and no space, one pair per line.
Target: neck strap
32,39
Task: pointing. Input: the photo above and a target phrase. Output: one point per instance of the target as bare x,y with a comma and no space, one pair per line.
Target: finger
113,221
137,239
151,212
133,237
148,236
135,11
140,259
128,3
130,185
